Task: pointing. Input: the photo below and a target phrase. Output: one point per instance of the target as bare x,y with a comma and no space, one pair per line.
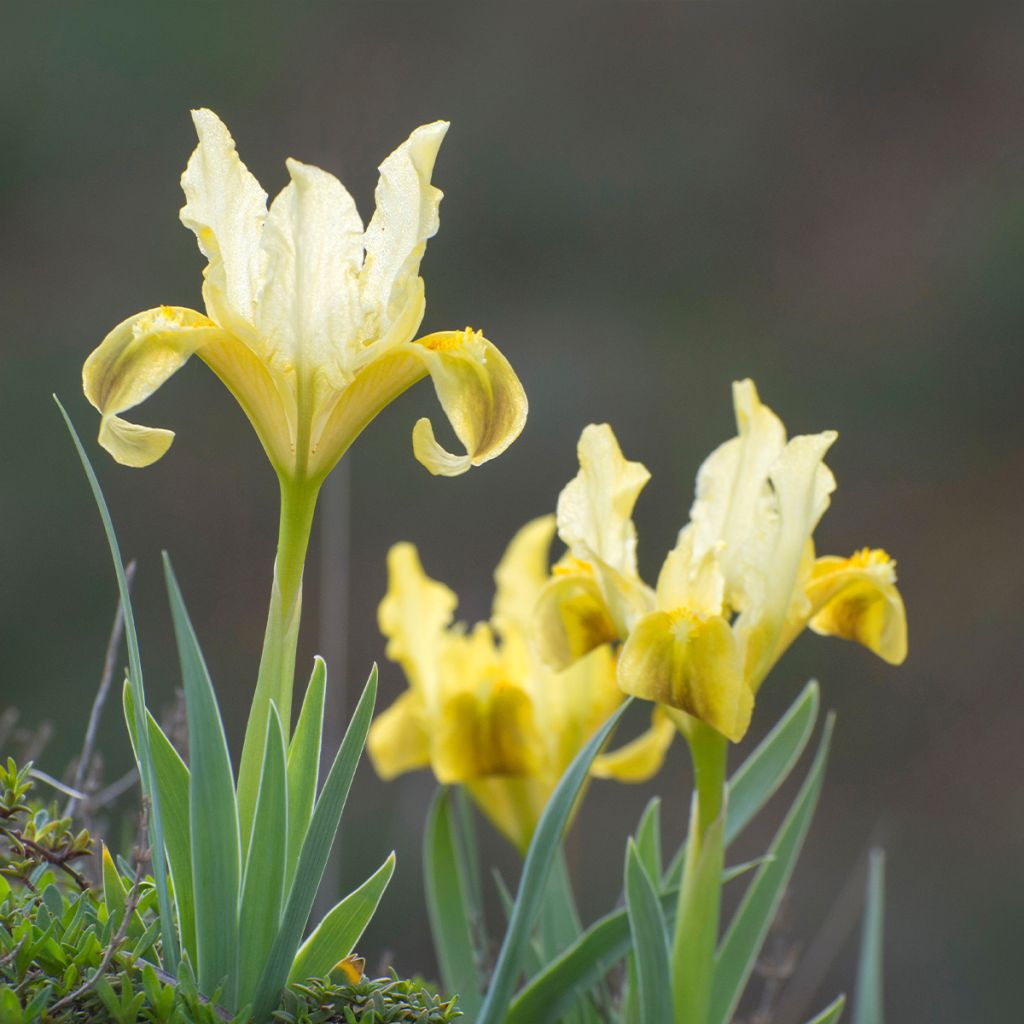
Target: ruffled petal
309,315
398,741
642,758
595,508
405,217
571,618
480,394
225,207
692,664
131,362
856,599
521,575
414,615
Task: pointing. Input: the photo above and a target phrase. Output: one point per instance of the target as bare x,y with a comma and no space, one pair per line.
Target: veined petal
856,599
571,618
309,314
642,758
692,664
595,508
398,741
732,483
521,575
131,362
225,207
487,732
414,615
480,394
405,217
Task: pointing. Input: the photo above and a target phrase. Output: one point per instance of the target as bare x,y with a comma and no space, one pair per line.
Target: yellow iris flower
310,318
741,583
482,709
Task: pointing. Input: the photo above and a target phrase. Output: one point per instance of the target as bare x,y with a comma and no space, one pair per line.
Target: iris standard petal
480,394
521,575
856,599
595,508
689,663
131,362
414,615
405,217
398,741
225,207
642,758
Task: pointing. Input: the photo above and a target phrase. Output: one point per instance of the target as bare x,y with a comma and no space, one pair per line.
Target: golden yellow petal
480,394
642,758
692,664
131,362
856,599
522,574
414,615
571,618
398,741
484,734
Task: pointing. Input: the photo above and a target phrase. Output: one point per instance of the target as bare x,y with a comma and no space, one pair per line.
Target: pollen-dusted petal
571,618
405,217
225,207
642,758
414,615
131,362
480,394
690,663
595,508
398,741
856,599
309,314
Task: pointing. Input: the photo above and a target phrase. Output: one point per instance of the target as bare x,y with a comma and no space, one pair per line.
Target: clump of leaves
71,954
390,1000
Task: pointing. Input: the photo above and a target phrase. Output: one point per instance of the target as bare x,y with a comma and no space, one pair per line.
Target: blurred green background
643,202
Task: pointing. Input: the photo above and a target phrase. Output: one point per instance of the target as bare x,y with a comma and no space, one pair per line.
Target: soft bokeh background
643,203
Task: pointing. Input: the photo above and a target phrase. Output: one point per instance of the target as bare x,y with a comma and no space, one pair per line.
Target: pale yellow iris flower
741,583
310,318
482,709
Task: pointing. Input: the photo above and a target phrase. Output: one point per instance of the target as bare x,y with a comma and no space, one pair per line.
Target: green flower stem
277,663
696,932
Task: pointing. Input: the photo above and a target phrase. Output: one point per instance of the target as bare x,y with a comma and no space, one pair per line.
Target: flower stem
277,664
696,932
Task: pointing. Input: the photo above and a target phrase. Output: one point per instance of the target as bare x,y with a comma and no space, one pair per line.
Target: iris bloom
310,318
741,583
311,324
482,709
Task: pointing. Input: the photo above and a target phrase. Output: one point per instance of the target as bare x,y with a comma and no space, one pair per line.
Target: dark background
643,203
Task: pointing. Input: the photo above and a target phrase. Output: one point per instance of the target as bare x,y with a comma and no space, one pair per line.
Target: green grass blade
749,926
304,764
336,935
314,853
532,885
171,778
868,1000
213,813
552,992
761,774
156,824
648,838
650,941
447,905
831,1013
263,881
